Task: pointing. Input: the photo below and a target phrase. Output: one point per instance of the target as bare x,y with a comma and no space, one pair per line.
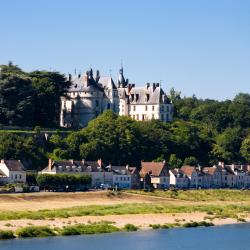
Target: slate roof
80,84
145,95
14,165
178,173
123,170
75,166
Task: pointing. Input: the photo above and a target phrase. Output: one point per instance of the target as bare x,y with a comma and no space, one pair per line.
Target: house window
20,176
143,117
137,117
146,108
134,108
15,176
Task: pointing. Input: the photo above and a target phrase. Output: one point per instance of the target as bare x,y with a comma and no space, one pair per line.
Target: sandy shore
140,220
45,200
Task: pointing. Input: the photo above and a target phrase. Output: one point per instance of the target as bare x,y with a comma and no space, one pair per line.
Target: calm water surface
232,237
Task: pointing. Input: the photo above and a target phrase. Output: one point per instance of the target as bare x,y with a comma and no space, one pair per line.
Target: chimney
97,77
83,161
233,166
248,168
99,162
50,164
148,85
157,85
71,160
129,87
154,86
2,160
127,167
70,77
221,163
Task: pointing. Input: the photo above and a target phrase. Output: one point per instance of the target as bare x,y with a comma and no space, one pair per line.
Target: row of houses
156,174
150,174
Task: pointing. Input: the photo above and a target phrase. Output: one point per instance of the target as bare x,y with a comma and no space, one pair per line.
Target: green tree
245,148
174,162
49,87
16,101
191,161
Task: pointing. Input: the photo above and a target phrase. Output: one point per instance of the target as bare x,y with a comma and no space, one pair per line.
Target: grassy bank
81,229
230,211
199,195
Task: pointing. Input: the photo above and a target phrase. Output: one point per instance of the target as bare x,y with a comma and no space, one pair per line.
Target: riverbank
60,210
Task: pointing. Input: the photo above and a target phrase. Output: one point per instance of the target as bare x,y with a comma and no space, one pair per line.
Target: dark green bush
6,234
35,231
198,224
130,228
61,181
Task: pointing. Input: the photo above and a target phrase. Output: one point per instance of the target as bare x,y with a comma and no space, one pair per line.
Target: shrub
35,231
6,234
61,181
155,226
198,224
241,220
93,228
130,228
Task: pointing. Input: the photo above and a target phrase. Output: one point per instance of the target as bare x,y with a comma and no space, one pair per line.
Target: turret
122,83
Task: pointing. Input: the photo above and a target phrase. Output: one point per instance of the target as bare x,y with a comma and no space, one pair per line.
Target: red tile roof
155,168
188,170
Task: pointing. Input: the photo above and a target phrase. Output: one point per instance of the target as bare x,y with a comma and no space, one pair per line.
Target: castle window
143,117
134,108
137,117
146,108
153,108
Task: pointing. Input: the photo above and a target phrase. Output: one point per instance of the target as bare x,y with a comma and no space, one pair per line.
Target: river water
230,237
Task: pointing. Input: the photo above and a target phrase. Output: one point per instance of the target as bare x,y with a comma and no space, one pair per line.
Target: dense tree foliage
29,99
203,131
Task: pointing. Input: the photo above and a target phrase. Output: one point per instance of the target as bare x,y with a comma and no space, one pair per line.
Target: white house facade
12,171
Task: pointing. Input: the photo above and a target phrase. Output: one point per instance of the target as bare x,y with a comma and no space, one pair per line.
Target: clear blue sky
199,47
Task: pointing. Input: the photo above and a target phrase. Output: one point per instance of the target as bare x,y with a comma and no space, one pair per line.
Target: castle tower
122,83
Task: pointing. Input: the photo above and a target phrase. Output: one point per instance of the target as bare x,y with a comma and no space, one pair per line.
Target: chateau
90,95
